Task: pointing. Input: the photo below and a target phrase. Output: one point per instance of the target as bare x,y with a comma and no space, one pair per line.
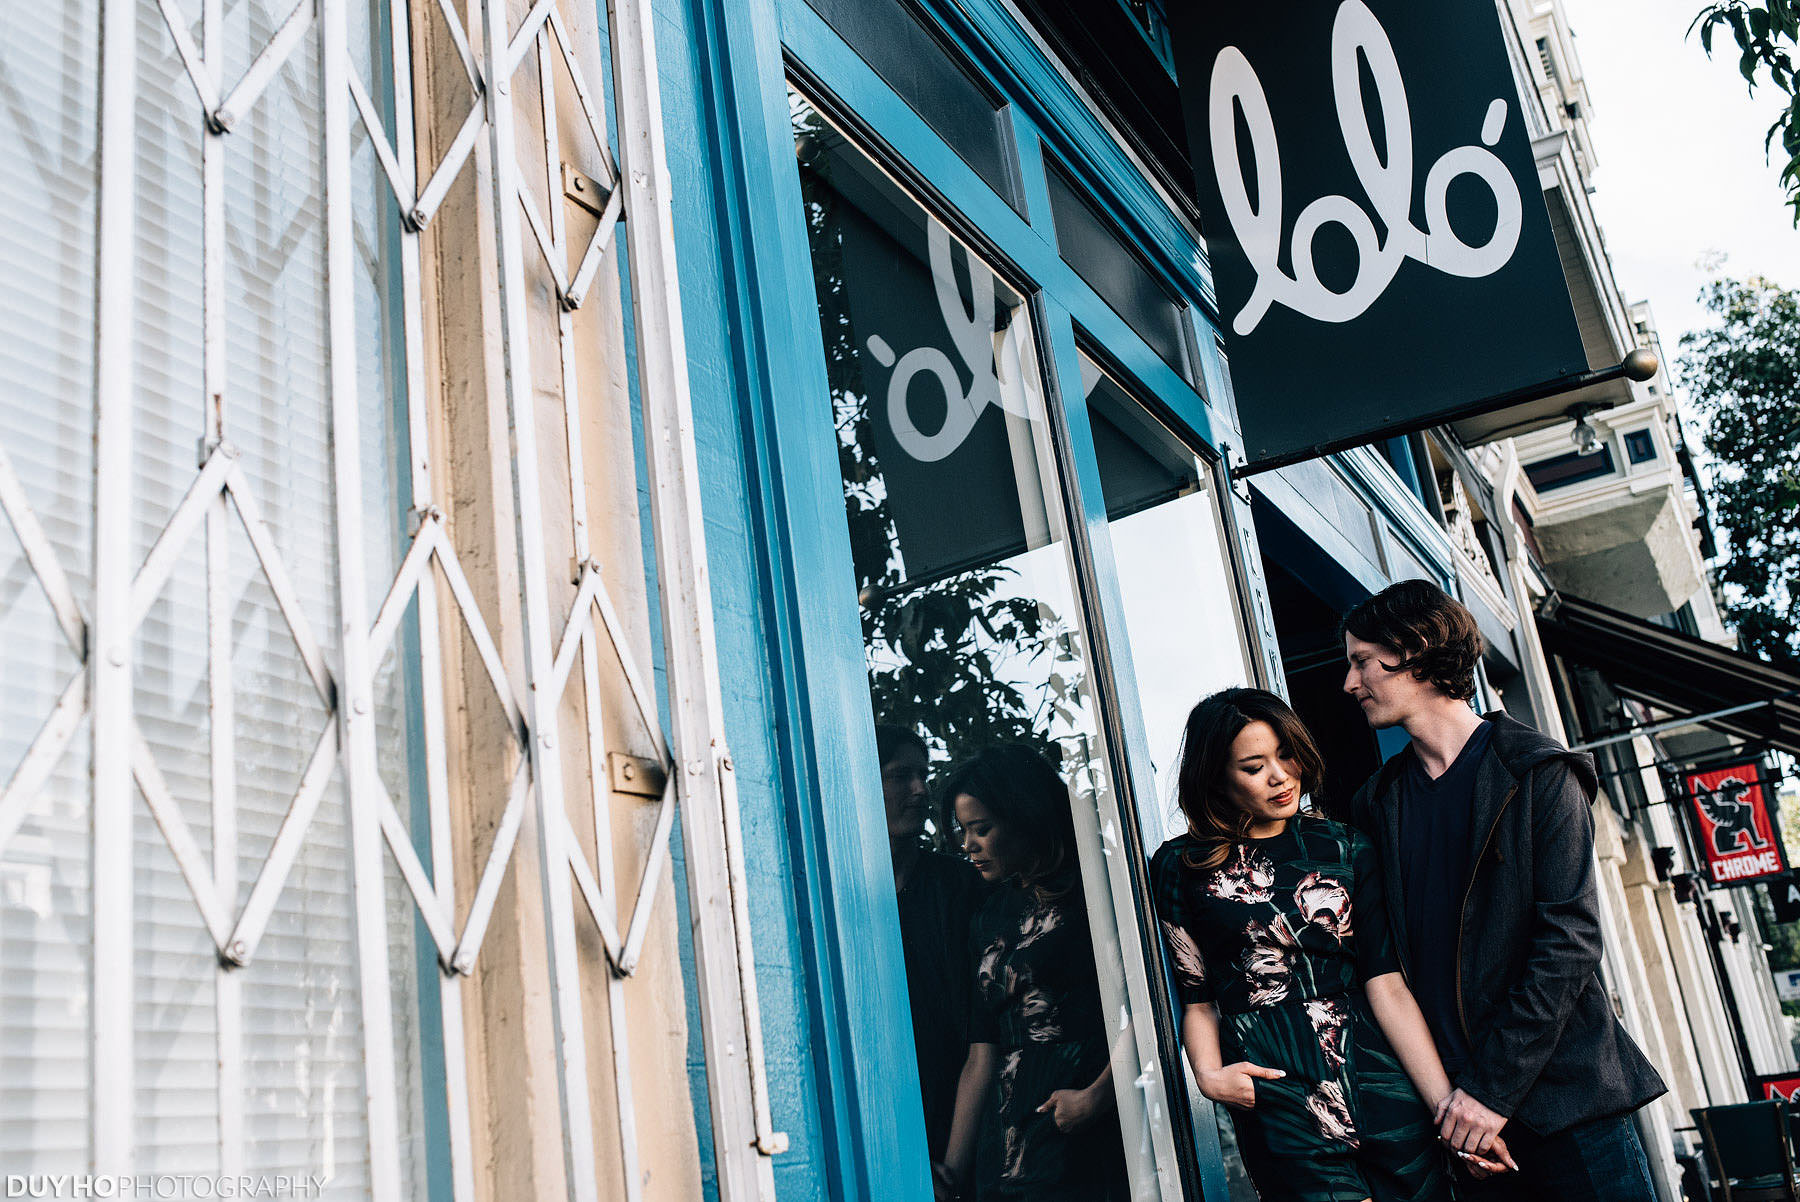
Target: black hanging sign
1784,898
1782,1087
1381,252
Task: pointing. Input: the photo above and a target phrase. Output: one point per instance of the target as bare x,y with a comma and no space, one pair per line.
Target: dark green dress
1280,939
1037,1000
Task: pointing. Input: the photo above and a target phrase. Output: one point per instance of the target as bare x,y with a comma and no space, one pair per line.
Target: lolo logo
997,361
1356,38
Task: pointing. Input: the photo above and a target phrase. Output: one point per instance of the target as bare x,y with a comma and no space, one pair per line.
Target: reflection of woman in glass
1295,1015
1034,1109
937,896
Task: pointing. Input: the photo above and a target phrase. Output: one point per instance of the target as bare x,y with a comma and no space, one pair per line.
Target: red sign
1779,1089
1731,814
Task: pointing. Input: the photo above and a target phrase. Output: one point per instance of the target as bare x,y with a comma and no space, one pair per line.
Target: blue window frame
1070,310
956,103
761,312
1101,257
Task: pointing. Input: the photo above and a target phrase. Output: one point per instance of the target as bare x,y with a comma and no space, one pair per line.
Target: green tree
1767,35
1744,375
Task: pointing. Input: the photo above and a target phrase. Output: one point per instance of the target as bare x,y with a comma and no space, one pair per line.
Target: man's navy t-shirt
1435,853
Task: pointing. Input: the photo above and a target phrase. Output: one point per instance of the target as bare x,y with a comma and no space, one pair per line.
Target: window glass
900,46
1572,468
1174,569
1090,244
1012,885
1182,621
50,59
1640,446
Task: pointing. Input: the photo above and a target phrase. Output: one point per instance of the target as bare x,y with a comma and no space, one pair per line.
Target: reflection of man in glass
937,895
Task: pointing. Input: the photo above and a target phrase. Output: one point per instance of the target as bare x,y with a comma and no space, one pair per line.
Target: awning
1676,672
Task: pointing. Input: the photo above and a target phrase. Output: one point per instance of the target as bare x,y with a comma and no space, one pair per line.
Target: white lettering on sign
999,374
1355,34
1738,867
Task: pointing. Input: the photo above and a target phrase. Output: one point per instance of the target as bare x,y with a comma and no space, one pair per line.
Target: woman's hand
944,1187
1072,1109
1235,1084
1480,1167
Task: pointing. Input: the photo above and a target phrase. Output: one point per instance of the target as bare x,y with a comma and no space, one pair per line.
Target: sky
1680,177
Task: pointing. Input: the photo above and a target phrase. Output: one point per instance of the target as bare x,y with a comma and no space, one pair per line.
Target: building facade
1617,519
484,475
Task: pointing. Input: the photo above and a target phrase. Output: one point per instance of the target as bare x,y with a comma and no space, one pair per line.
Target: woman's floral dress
1037,1000
1280,939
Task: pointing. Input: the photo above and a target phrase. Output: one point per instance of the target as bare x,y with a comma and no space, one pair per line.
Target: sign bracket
1639,365
1678,723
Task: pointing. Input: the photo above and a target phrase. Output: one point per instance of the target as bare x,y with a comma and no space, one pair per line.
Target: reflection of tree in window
967,657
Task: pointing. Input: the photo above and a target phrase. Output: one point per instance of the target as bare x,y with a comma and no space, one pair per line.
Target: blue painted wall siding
692,115
822,910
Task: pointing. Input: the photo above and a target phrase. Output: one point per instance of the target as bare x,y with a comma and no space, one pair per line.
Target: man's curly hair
1434,633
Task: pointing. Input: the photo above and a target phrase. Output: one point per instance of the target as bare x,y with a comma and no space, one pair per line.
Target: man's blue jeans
1601,1161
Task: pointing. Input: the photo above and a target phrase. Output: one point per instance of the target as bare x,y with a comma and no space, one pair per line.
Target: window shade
301,1105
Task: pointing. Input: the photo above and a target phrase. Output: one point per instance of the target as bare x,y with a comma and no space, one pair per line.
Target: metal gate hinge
416,517
636,775
1234,463
584,190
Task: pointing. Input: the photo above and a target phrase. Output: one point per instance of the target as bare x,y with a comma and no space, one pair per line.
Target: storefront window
1015,903
1169,546
895,40
1182,620
1091,245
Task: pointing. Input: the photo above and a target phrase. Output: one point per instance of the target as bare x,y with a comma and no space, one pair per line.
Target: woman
937,894
1034,1106
1295,1015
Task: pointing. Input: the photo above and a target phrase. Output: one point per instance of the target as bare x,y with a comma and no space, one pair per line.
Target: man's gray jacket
1546,1049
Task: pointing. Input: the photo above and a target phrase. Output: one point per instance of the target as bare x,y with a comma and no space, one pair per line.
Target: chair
1748,1147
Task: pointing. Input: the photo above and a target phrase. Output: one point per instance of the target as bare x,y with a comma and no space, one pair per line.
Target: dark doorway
1312,657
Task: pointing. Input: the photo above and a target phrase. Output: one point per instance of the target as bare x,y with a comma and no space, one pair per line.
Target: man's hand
1235,1084
1468,1126
1070,1109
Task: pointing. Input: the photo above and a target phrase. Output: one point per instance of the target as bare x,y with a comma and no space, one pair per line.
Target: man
937,895
1487,846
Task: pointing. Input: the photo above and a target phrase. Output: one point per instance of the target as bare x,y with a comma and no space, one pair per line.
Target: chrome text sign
1730,812
1381,253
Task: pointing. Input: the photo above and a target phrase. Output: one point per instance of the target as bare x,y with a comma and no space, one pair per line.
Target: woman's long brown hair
1214,821
1026,795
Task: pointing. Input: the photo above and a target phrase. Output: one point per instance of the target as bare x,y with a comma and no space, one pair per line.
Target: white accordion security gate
568,642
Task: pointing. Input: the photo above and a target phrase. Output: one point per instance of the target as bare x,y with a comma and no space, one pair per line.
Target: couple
1374,1002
